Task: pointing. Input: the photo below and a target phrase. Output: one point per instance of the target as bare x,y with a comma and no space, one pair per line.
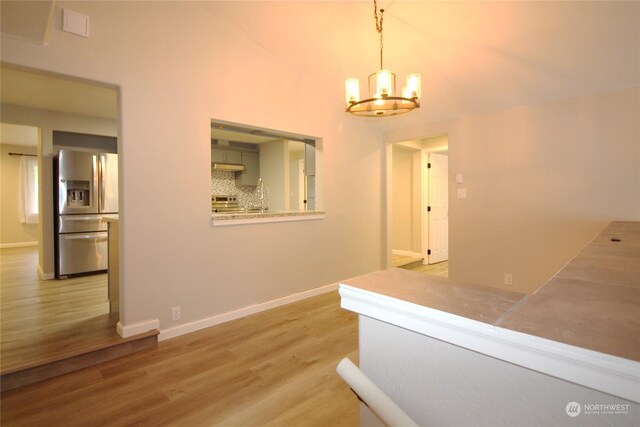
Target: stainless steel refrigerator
86,196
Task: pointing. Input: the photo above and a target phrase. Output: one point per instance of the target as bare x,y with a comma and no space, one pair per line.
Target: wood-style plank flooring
274,368
43,321
440,269
403,260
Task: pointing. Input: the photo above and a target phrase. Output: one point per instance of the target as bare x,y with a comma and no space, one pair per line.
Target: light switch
461,193
459,178
75,23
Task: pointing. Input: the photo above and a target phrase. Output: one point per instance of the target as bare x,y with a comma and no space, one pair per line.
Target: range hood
235,167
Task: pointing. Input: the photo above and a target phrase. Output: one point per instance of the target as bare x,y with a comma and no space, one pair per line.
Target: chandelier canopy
385,101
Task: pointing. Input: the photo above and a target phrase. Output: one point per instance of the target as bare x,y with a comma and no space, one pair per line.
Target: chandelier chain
378,26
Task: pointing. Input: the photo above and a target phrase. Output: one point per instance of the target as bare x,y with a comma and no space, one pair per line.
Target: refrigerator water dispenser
78,193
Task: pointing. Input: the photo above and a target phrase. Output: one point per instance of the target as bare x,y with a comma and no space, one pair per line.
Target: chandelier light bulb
406,93
384,83
352,87
414,83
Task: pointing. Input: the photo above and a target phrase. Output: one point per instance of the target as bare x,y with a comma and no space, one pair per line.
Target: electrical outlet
175,313
508,279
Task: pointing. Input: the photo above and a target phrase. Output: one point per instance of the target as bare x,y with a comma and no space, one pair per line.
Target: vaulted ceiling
473,56
26,20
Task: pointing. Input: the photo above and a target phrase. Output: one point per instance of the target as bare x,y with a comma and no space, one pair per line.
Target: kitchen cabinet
218,156
223,155
249,176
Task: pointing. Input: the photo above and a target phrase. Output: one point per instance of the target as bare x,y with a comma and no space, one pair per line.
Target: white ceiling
18,135
473,56
26,20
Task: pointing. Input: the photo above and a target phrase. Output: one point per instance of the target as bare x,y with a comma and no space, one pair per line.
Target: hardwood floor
403,260
43,321
273,368
440,269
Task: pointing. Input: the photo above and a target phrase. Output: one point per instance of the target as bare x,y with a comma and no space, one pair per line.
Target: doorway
418,226
58,316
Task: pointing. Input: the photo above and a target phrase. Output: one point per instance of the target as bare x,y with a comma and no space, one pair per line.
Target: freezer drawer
82,253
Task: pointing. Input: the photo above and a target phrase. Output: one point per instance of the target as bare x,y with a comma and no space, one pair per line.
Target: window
28,190
285,163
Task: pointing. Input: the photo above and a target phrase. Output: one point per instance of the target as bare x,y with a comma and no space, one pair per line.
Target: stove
225,204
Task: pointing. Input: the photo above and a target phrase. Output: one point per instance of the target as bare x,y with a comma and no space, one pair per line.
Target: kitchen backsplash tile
223,183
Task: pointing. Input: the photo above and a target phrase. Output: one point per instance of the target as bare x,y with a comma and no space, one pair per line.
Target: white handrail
379,403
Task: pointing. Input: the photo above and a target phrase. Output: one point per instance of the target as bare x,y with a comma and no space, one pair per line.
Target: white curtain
28,190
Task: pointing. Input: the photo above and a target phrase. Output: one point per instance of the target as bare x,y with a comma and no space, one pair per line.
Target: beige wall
541,182
11,230
48,121
406,236
437,143
178,65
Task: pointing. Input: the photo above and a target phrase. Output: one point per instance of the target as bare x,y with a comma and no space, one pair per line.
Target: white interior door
438,208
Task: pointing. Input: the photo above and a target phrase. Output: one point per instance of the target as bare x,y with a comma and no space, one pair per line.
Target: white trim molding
45,276
126,331
603,372
18,245
207,322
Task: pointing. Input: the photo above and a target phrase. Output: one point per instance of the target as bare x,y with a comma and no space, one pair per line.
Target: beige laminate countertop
266,216
593,302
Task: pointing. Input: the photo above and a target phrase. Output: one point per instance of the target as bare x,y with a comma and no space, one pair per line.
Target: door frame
387,220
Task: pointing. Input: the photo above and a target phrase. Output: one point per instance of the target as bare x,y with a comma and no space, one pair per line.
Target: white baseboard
18,245
400,252
207,322
137,328
45,276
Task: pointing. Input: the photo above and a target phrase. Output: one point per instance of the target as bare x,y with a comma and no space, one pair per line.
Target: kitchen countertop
237,218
